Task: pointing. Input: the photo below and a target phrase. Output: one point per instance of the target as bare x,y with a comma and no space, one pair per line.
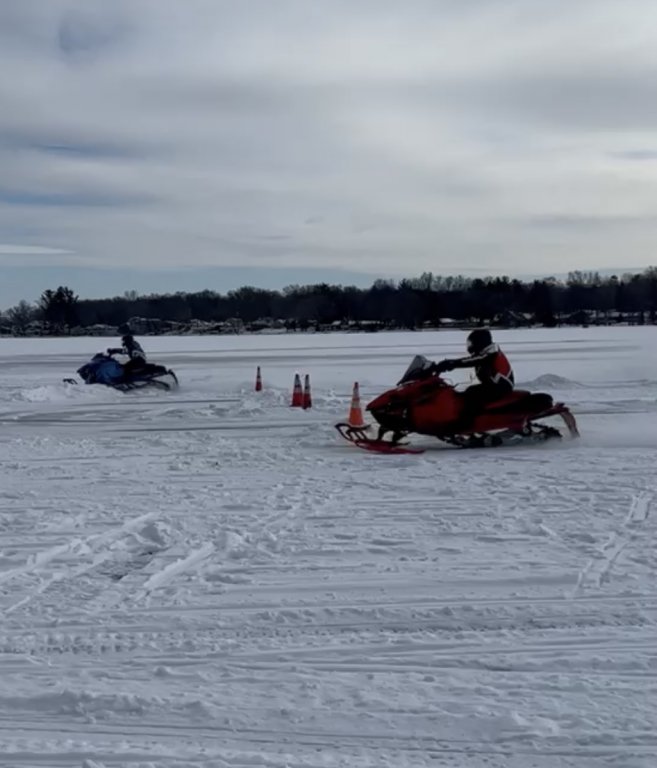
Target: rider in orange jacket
492,369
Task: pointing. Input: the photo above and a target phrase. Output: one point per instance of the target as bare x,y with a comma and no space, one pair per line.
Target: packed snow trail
210,578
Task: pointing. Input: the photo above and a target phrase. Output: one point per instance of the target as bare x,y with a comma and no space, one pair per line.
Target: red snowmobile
424,403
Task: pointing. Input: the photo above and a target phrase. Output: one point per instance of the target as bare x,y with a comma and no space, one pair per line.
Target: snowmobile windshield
418,369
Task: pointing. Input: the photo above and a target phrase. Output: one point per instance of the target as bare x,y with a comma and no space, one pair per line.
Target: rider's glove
442,366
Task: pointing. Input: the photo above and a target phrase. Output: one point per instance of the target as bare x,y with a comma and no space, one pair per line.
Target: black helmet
124,330
478,340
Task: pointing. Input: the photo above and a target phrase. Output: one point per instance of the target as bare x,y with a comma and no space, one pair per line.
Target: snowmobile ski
358,436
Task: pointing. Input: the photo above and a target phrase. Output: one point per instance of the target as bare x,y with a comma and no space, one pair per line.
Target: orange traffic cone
258,384
297,393
356,412
307,399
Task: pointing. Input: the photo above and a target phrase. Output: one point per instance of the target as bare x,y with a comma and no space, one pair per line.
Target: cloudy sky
165,145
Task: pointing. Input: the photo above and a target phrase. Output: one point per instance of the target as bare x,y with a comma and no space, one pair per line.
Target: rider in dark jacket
132,348
492,369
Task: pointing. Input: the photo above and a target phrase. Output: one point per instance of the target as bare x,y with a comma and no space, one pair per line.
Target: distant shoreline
323,331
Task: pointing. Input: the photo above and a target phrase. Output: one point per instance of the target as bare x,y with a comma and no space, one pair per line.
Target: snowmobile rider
492,369
132,348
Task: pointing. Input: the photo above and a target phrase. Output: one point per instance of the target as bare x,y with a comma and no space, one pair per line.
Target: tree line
428,300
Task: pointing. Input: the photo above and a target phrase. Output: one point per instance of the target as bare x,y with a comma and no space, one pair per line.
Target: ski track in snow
208,578
599,569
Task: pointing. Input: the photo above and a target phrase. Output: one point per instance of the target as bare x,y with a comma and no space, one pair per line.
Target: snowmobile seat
520,399
152,369
510,400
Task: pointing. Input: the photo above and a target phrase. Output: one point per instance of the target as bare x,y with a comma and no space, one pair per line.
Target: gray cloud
388,137
12,249
637,154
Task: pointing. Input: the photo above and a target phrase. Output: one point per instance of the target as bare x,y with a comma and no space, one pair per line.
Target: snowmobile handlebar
442,367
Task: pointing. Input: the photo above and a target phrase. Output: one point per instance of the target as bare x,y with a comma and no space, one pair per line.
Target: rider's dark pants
134,364
478,396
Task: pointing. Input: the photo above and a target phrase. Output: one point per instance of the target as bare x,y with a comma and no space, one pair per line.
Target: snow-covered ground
208,578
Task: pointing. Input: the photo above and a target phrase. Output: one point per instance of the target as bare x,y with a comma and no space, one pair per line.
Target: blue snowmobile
104,369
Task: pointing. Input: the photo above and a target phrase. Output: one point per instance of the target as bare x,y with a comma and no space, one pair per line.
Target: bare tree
21,316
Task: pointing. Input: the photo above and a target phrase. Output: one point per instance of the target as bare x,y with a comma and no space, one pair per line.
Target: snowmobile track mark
597,570
169,572
96,547
610,552
639,509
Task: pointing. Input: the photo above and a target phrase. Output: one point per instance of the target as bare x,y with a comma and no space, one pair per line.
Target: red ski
359,437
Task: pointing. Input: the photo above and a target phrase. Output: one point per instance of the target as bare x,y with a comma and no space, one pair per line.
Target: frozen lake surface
208,578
